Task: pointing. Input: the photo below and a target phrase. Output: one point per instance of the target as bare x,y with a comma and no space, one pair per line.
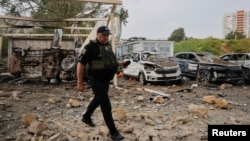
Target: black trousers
100,89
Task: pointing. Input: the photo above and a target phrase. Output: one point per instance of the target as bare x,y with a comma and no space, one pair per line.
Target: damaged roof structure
51,57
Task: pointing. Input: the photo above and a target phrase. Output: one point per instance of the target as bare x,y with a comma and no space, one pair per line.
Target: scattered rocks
48,112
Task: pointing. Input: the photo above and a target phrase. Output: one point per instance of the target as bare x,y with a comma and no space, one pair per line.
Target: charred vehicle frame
207,67
242,59
47,63
147,67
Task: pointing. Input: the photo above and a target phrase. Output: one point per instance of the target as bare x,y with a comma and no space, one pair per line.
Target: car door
247,61
133,68
191,64
234,58
187,65
240,59
181,59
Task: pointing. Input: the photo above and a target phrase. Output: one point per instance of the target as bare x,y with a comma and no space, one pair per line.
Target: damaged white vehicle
148,67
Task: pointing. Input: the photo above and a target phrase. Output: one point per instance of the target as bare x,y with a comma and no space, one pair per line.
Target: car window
181,56
136,57
226,57
247,57
235,57
241,57
191,57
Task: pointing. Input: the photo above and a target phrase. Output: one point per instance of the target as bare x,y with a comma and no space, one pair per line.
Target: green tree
199,45
121,18
177,35
241,45
235,35
59,9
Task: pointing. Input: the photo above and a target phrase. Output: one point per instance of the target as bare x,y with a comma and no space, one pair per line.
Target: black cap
103,30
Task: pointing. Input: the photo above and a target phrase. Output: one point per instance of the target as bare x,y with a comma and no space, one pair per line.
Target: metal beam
118,2
52,20
42,35
45,27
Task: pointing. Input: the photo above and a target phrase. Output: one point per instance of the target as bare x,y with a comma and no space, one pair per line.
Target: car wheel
142,79
179,82
125,77
246,73
204,76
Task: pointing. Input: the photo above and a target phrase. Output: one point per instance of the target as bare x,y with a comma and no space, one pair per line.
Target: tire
205,76
142,79
179,82
246,73
125,77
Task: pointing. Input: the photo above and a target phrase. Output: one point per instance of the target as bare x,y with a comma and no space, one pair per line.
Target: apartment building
237,21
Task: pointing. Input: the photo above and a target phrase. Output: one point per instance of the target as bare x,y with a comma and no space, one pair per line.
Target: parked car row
204,67
207,68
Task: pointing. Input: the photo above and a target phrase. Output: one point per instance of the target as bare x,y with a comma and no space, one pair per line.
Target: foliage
214,46
235,35
177,35
123,16
242,45
57,9
199,45
16,7
67,9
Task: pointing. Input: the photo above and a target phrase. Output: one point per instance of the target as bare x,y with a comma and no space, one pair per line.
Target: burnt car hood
148,62
161,63
218,62
164,62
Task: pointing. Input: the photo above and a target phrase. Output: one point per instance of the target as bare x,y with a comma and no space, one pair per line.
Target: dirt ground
152,112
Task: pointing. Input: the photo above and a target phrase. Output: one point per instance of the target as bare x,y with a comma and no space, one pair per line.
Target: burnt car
149,67
206,68
242,59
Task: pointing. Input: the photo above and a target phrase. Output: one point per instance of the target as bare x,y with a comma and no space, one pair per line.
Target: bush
215,46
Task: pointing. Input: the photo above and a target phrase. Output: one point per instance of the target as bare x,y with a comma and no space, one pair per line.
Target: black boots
117,137
88,121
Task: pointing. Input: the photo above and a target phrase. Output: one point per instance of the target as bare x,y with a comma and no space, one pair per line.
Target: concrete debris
225,86
219,102
159,99
157,92
74,103
198,110
187,90
140,98
28,118
209,99
119,114
37,127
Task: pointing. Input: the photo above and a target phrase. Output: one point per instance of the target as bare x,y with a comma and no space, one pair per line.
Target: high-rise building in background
238,21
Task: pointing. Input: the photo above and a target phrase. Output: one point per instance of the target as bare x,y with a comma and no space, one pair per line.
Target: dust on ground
141,112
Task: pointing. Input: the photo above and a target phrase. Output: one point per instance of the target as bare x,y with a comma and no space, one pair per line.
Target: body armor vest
106,59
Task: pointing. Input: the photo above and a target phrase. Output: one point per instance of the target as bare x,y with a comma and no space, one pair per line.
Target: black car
242,59
208,67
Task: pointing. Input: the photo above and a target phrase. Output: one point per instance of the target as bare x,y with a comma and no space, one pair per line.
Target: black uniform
100,84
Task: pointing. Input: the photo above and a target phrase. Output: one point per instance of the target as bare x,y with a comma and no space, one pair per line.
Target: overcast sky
157,19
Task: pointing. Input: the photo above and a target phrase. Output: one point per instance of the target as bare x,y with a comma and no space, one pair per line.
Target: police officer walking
102,65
